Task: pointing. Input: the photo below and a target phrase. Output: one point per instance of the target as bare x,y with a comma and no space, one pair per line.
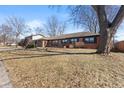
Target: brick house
74,40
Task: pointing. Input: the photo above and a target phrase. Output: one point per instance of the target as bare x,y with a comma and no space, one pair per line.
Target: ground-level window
90,39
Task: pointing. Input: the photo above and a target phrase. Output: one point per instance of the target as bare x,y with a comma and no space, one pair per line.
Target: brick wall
79,44
82,44
119,46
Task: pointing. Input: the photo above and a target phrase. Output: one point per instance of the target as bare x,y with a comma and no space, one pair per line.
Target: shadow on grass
54,53
72,53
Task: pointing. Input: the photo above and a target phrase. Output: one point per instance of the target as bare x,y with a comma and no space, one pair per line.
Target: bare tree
5,33
111,11
38,30
108,18
54,27
107,28
84,17
18,26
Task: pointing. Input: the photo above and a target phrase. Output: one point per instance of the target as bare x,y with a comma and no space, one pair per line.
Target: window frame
74,40
89,41
64,41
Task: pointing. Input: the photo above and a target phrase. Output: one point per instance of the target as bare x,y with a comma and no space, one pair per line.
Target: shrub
30,46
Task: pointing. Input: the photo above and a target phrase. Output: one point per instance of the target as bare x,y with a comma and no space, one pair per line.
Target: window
74,40
55,41
90,40
65,41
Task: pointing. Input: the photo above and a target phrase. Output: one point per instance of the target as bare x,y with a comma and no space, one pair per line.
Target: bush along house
73,40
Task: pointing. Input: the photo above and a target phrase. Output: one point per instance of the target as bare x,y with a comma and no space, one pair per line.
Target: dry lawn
64,68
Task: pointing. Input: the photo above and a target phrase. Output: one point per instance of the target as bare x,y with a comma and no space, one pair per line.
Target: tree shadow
53,53
22,54
72,53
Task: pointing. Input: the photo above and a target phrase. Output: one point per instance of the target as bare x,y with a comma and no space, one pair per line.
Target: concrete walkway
4,79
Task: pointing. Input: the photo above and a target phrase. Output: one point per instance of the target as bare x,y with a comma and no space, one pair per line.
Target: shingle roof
73,35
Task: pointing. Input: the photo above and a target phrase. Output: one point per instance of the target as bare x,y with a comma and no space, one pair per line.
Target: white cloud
120,32
120,35
35,23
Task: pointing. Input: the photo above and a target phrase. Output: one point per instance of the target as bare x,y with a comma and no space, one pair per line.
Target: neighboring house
119,46
1,43
7,43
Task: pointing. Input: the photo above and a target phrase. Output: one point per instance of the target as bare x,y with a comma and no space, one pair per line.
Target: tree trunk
16,41
105,44
4,40
106,34
107,29
16,44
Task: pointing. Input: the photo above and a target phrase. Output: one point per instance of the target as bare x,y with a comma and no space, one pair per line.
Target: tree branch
118,19
95,7
102,17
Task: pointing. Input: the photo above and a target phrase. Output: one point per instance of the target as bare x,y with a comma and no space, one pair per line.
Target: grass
64,68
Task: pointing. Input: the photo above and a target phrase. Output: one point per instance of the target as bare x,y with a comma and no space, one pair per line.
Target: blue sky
37,15
29,12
